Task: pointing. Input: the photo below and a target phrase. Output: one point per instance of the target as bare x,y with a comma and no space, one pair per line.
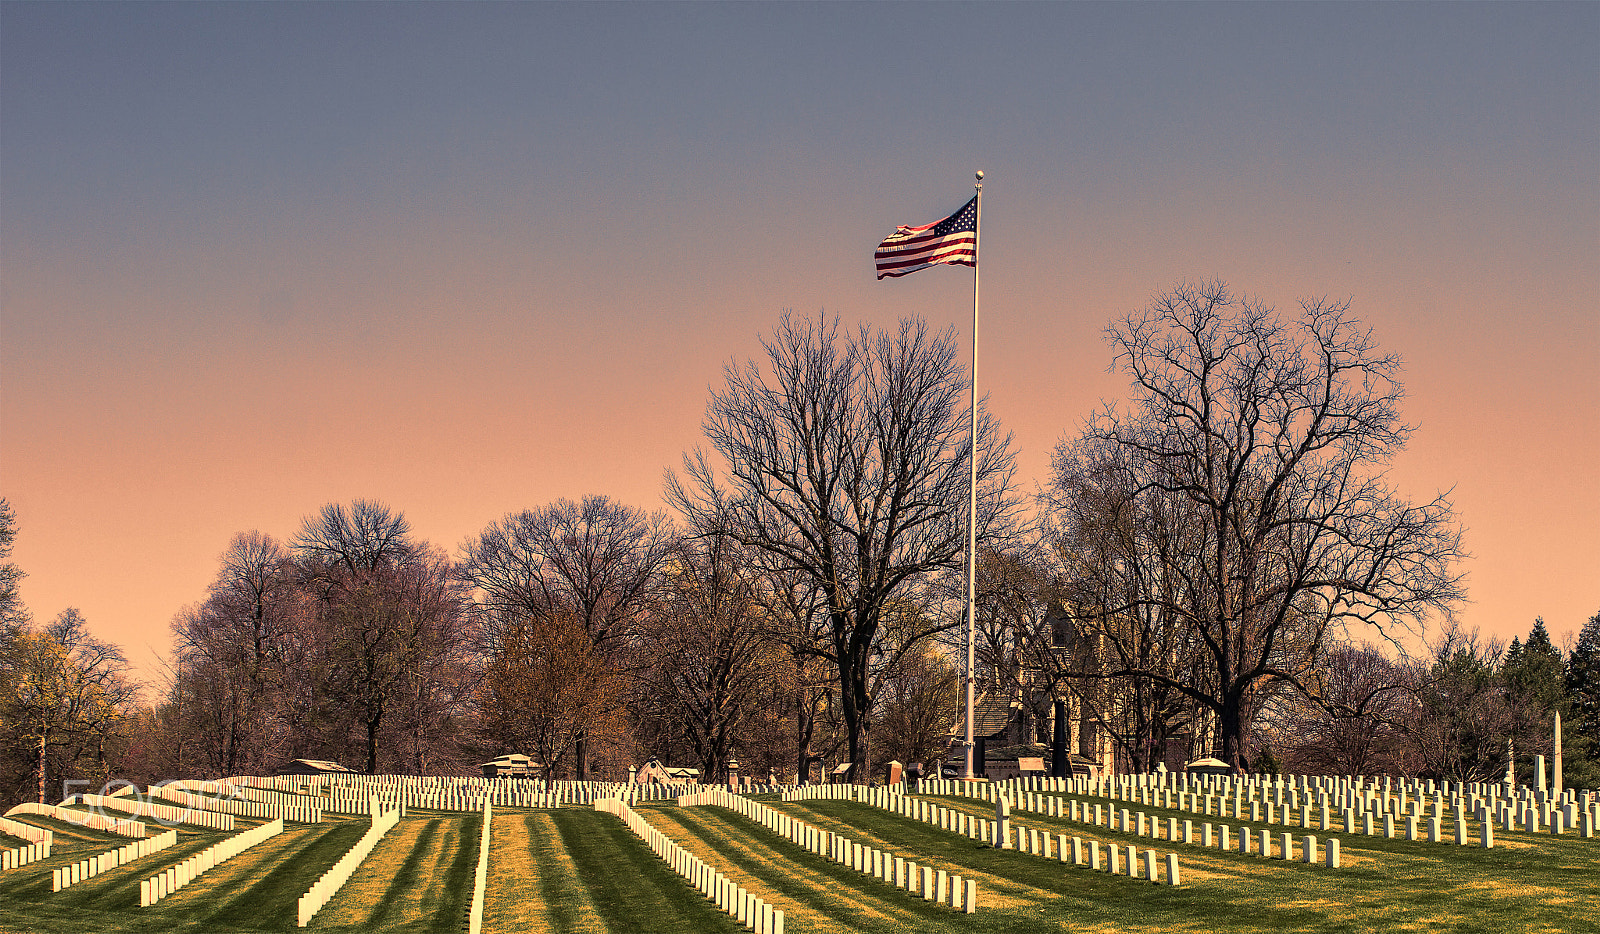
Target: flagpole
972,501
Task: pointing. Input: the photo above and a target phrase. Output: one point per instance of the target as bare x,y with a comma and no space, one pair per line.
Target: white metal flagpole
972,502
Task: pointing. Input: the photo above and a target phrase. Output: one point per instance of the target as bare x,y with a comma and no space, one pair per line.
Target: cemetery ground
575,869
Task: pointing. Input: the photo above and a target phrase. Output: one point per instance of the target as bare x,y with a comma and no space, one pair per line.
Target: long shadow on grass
1085,895
819,884
629,887
419,897
268,901
1439,884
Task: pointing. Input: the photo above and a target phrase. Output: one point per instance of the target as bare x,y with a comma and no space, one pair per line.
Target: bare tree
846,462
230,654
596,561
1324,739
711,647
917,697
1260,445
795,611
13,613
359,537
1458,721
386,606
545,687
1114,548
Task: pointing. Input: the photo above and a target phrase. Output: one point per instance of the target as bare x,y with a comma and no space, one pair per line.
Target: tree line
1219,559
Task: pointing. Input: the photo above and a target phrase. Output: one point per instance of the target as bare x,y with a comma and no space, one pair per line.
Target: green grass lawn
417,879
577,871
1527,883
581,871
815,894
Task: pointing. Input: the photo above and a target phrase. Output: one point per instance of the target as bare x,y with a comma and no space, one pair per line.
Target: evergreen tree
1583,684
1535,679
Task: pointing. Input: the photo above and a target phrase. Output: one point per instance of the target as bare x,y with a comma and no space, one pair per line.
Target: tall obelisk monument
1556,786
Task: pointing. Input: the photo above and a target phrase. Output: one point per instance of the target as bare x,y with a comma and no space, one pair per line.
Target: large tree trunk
857,713
805,723
1231,727
372,742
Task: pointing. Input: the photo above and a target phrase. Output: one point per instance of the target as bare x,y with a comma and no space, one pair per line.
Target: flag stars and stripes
952,241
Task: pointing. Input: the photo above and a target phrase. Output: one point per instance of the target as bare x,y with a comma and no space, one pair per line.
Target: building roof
990,715
515,758
316,765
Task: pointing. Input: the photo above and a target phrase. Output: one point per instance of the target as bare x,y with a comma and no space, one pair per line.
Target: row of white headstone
1360,812
329,883
939,886
17,857
68,876
120,826
996,833
1139,824
350,796
164,813
742,905
239,806
25,831
480,875
159,886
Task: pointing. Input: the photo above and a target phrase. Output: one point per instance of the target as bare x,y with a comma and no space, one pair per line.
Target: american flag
953,240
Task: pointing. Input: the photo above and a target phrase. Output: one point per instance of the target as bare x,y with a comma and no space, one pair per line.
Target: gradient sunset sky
467,259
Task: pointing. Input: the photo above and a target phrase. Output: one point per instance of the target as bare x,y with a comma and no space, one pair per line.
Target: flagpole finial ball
980,175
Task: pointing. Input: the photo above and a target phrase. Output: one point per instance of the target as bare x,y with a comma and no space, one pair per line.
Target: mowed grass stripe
412,881
628,887
258,889
924,843
108,891
1422,887
254,891
67,832
1024,893
514,899
816,894
1198,863
568,904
